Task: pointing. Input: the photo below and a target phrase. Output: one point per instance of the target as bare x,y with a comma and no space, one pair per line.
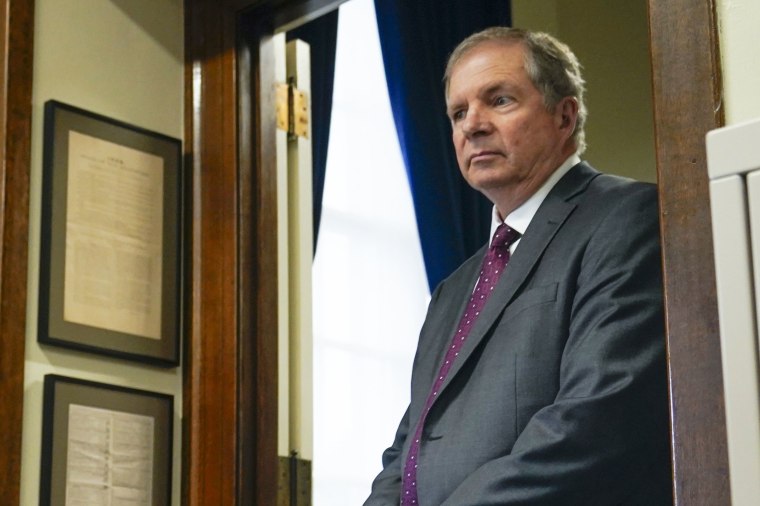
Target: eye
501,100
457,115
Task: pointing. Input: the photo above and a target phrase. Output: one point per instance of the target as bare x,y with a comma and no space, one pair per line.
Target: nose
476,122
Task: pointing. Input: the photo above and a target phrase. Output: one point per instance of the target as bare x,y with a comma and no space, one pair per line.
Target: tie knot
504,236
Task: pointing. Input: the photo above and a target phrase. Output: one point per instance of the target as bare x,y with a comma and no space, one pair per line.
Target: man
555,393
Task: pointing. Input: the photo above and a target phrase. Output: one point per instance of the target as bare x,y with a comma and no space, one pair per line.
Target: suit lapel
447,317
547,221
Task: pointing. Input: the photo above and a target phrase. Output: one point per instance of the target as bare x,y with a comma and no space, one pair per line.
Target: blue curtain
416,37
321,34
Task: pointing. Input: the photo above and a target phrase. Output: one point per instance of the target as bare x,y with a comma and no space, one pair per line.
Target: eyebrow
488,90
496,86
450,108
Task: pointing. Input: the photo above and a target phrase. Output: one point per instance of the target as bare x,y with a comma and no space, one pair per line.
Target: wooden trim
230,440
258,250
16,48
210,395
230,390
247,455
687,89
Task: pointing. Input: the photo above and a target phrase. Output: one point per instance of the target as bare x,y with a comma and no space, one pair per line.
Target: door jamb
16,49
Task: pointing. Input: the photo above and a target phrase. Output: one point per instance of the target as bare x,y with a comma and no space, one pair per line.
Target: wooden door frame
16,44
230,390
687,90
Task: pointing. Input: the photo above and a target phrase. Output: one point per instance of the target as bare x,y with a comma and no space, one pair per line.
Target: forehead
488,61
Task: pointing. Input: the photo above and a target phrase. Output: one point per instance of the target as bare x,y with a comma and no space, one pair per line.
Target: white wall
123,59
740,58
611,40
740,61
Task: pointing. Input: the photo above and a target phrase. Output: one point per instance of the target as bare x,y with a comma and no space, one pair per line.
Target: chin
485,184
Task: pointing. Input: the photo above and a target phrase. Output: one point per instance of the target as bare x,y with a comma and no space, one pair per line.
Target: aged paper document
110,458
114,232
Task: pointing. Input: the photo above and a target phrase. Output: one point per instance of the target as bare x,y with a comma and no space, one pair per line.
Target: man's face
507,143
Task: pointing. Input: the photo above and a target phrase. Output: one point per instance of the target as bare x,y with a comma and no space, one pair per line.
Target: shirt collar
520,218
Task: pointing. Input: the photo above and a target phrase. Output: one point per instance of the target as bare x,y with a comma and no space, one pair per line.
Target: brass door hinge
294,481
292,107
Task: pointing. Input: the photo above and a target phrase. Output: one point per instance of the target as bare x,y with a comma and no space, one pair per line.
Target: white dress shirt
520,218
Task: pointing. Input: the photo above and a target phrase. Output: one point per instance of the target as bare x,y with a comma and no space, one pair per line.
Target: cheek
520,142
458,141
513,134
535,133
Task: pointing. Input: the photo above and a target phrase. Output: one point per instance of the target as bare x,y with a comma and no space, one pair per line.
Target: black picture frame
161,345
116,417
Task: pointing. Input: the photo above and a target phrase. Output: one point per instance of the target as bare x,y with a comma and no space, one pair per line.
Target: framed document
104,445
110,257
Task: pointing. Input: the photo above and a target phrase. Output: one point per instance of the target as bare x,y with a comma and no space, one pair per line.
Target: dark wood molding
230,389
210,394
259,258
16,49
687,89
230,392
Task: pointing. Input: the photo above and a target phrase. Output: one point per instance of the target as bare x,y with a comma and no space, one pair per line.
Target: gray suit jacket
559,395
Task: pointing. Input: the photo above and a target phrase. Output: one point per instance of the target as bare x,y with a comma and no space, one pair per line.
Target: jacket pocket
533,296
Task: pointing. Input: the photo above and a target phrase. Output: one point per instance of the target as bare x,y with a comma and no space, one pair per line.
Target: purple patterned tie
494,263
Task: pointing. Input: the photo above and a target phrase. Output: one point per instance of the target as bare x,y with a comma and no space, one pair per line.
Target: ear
566,114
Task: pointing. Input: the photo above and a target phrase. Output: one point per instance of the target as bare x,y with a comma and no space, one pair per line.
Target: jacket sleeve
608,425
386,488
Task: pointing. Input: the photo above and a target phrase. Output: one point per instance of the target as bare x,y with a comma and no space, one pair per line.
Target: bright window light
369,285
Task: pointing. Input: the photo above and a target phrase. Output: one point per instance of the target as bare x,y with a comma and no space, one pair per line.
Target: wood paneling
16,49
687,102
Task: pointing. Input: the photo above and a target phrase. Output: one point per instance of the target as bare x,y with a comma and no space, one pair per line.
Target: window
370,291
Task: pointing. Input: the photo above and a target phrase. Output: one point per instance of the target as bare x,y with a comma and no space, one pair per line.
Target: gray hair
549,63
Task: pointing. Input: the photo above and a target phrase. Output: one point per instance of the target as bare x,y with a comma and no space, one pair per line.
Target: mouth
484,156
